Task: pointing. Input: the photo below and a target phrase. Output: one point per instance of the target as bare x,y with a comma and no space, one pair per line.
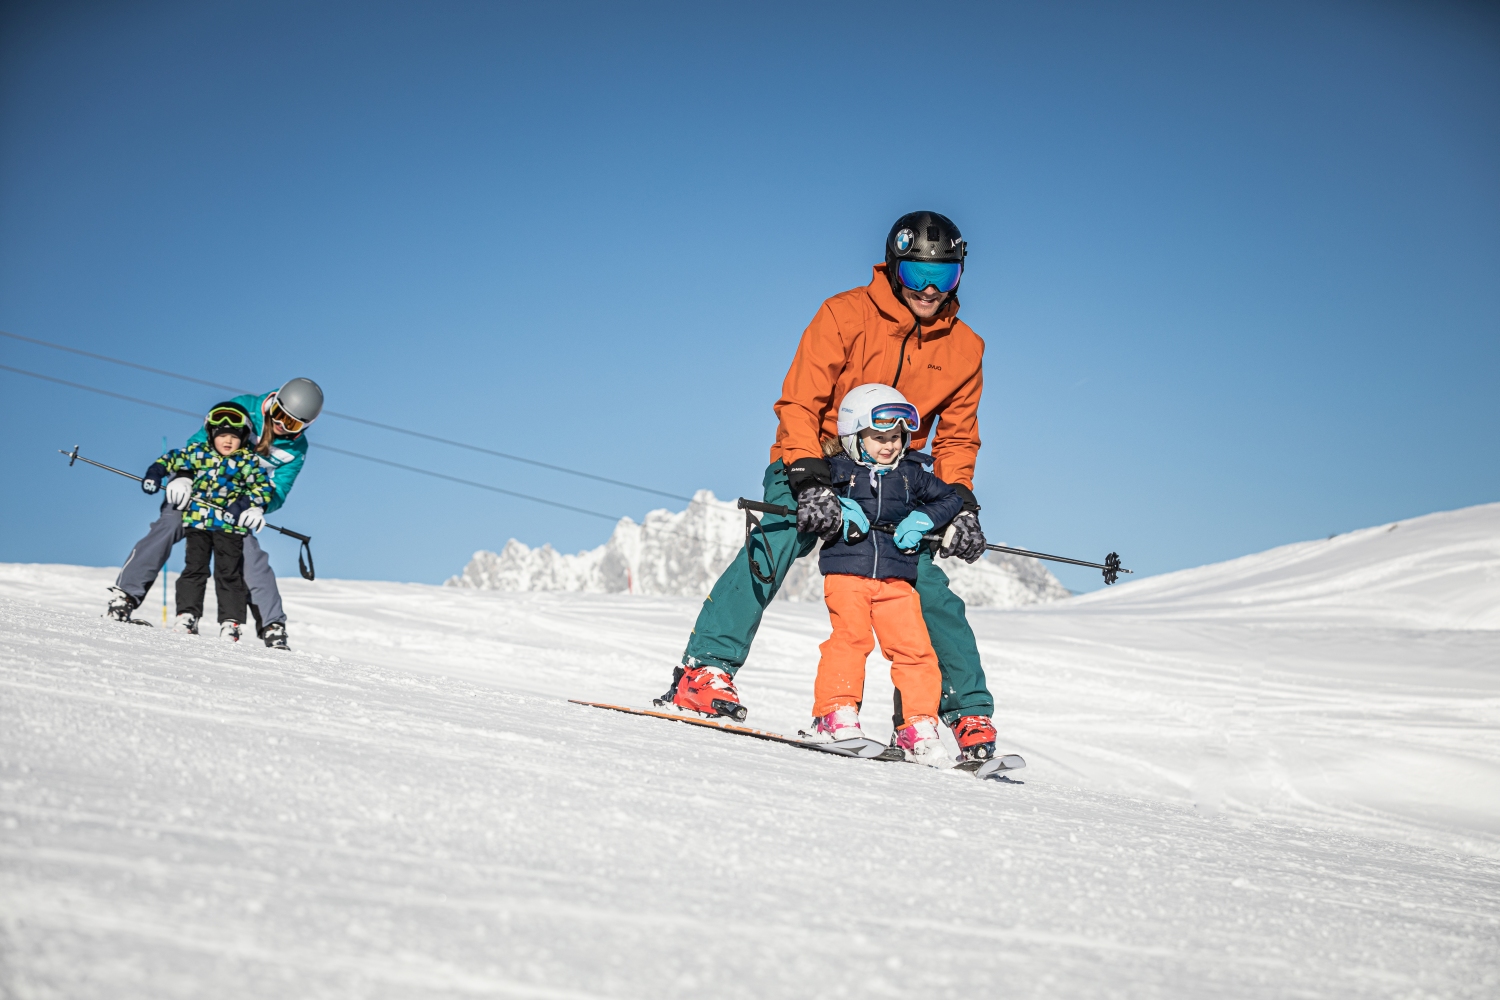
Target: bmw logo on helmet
904,240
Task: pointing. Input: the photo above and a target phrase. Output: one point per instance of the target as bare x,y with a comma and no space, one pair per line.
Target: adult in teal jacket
287,411
280,456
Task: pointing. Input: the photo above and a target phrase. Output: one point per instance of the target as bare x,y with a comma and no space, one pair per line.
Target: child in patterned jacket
222,491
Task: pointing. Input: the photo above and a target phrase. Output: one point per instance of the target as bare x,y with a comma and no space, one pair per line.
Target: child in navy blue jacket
890,502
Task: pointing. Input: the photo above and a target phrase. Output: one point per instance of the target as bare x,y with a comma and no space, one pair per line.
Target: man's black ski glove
818,510
964,538
807,472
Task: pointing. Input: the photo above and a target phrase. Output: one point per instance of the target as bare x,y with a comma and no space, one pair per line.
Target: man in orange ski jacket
868,335
903,330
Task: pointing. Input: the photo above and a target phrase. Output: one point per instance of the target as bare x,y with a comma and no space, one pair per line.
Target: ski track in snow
1229,794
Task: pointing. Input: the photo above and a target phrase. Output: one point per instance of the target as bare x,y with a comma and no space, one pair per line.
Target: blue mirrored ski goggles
887,415
917,275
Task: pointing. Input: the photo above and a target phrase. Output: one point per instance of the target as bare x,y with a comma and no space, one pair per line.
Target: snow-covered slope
683,553
1441,571
1230,795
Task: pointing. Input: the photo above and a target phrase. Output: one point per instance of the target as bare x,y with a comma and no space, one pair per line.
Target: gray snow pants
150,554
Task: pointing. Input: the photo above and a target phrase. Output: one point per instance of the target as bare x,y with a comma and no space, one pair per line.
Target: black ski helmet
924,236
236,419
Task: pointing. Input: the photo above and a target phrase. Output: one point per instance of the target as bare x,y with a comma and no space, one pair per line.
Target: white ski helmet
877,406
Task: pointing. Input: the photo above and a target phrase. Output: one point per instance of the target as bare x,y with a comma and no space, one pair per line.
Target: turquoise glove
911,529
854,514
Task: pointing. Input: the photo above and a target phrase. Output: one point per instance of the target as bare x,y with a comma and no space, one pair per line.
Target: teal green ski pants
731,615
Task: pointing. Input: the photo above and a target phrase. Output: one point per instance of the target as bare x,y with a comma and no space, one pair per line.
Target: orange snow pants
893,609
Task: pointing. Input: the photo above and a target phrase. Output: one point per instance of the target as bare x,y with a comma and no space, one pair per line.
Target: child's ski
843,748
994,767
991,768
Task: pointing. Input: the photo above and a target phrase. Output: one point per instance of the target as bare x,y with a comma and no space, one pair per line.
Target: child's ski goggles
886,416
917,274
278,414
227,417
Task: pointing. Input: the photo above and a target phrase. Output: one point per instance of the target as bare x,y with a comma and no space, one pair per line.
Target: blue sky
1238,270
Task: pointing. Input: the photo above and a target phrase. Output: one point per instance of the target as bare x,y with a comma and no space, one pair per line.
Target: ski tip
999,765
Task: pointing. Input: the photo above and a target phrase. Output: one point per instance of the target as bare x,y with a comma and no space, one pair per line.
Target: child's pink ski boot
840,724
920,741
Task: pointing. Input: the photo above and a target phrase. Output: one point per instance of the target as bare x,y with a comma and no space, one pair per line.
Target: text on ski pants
729,619
150,554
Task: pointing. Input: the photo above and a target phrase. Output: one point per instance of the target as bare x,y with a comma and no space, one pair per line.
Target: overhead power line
348,416
118,361
467,482
102,392
321,447
354,454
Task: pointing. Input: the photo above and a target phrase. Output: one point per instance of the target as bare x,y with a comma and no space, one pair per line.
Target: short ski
844,748
992,768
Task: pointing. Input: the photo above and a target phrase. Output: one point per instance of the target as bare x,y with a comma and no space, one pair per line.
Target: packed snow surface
1278,776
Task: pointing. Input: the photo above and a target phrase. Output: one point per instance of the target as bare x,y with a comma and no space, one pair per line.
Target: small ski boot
230,630
274,636
919,740
186,623
120,607
976,738
706,690
840,724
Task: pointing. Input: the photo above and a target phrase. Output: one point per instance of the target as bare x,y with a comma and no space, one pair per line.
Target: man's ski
843,748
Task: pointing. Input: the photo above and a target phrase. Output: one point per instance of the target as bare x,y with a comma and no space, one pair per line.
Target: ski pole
306,568
1111,565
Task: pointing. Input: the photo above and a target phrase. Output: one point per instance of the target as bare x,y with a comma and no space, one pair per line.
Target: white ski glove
179,492
254,519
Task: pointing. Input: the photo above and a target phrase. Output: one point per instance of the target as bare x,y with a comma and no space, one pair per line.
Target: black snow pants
228,552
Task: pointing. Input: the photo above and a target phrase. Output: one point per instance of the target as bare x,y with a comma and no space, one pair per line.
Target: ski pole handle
765,508
289,532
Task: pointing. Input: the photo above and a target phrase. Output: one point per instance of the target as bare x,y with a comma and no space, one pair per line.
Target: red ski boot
975,736
706,690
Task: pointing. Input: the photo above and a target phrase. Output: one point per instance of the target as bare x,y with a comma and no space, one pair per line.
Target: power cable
359,420
466,482
368,458
119,361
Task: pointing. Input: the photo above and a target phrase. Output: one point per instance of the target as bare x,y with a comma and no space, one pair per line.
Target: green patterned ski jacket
234,482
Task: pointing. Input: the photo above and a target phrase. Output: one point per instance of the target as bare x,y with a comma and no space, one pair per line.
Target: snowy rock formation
683,554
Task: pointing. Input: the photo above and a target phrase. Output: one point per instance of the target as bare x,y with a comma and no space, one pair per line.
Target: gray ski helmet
924,236
301,398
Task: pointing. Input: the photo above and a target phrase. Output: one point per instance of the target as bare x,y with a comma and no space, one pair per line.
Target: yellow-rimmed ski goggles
277,414
228,418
